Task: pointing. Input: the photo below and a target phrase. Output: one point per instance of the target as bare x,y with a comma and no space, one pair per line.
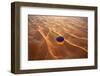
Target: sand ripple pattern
43,31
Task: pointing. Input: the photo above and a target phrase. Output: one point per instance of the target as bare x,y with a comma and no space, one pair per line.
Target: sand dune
42,34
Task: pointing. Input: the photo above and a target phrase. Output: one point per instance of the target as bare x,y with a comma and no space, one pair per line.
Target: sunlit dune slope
43,31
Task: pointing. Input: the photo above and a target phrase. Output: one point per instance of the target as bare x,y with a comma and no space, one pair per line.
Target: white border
25,64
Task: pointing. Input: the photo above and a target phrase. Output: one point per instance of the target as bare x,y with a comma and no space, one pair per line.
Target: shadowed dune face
57,37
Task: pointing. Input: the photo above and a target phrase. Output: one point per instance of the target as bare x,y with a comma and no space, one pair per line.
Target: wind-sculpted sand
43,31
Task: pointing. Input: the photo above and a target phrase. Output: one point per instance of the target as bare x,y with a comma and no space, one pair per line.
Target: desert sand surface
43,31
